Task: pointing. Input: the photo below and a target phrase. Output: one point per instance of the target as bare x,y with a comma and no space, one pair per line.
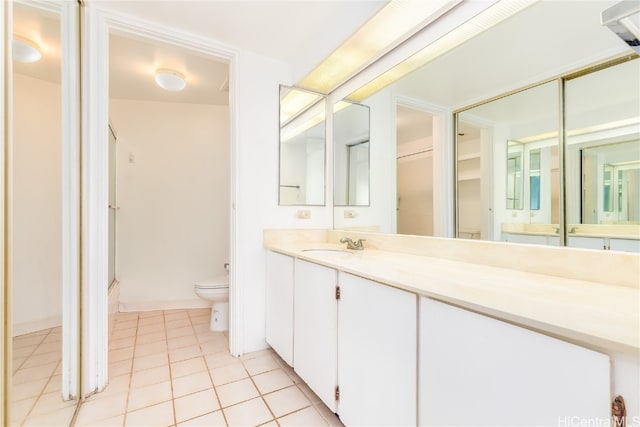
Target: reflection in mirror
414,171
42,369
603,158
302,147
521,128
515,151
351,154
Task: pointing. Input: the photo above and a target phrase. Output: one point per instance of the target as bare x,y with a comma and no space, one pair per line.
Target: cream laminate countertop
600,315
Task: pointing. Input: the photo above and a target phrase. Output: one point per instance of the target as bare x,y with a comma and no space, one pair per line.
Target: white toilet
216,290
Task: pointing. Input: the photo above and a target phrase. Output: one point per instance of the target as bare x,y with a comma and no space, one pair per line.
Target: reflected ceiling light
25,50
476,25
394,23
170,80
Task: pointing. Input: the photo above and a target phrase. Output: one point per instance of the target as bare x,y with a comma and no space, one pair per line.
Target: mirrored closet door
43,206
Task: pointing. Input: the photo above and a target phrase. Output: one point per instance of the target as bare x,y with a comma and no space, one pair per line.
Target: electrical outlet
304,214
349,214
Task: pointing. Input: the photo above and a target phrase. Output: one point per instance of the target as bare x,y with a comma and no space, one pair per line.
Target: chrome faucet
358,246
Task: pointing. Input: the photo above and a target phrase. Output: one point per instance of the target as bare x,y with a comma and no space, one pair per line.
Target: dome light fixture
170,80
25,50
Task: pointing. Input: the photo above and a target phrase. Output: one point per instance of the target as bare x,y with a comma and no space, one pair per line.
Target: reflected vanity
302,147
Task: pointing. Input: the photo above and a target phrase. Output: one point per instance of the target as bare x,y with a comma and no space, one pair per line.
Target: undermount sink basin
328,251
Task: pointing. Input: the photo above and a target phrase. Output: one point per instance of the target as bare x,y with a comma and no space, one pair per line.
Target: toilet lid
214,283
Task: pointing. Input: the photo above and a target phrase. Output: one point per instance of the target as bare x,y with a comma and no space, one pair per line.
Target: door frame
97,24
443,156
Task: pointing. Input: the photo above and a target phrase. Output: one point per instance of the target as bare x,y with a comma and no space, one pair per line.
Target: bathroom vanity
428,331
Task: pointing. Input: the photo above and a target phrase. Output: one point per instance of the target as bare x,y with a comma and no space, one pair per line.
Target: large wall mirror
508,168
602,114
302,147
506,144
44,205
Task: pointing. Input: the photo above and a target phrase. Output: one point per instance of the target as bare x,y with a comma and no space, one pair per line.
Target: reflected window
534,180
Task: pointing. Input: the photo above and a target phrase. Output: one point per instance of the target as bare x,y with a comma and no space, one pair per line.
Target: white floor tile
272,381
149,395
260,364
303,418
287,400
228,374
251,413
191,383
148,349
196,404
150,376
151,361
101,409
157,415
186,367
212,419
236,392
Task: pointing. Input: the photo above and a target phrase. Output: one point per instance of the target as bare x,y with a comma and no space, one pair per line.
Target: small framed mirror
351,154
302,147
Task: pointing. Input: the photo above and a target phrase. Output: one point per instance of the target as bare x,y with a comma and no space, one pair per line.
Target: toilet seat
220,282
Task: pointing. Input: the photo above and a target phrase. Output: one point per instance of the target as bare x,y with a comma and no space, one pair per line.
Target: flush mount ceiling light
170,80
24,50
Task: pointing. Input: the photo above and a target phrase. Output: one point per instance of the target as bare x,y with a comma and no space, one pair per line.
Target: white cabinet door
475,370
377,354
279,305
315,332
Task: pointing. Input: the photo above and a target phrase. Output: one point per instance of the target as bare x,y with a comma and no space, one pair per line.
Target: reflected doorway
414,171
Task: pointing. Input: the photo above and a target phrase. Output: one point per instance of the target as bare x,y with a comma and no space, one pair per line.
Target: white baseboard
163,305
36,325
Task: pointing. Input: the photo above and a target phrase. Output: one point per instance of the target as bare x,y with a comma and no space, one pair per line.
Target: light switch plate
350,214
304,214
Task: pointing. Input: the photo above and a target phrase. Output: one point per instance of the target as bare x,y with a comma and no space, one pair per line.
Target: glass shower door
112,207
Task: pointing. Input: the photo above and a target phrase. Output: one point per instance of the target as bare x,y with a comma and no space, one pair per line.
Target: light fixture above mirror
170,80
25,50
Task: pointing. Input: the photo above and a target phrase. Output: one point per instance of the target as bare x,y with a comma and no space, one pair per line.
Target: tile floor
37,382
167,369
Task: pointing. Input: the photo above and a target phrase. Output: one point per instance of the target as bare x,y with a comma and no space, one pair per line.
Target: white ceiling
531,46
132,66
301,33
528,47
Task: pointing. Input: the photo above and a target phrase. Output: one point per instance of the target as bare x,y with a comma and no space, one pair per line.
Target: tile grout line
133,357
213,386
35,402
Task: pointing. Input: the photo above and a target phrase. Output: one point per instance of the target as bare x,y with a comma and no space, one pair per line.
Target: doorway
414,171
172,217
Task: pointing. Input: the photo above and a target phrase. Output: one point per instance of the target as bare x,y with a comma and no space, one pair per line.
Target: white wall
256,188
37,207
172,228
